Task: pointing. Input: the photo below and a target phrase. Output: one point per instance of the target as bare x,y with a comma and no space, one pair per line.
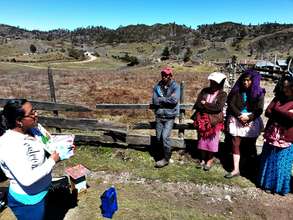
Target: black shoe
161,163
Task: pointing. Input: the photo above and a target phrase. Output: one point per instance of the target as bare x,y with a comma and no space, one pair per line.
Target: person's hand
243,119
203,102
55,156
74,148
161,99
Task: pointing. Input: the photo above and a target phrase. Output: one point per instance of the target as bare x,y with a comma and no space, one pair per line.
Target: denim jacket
166,100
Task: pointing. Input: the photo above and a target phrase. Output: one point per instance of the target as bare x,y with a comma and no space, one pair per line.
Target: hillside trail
91,58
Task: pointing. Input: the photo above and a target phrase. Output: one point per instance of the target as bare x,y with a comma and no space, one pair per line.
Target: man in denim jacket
165,100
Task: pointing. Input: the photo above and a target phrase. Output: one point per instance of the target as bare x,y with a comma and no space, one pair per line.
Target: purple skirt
209,144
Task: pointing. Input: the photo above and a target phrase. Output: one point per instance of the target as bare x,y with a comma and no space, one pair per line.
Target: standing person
209,118
165,99
245,106
22,158
277,153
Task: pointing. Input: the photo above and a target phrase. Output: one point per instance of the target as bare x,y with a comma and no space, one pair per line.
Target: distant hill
208,41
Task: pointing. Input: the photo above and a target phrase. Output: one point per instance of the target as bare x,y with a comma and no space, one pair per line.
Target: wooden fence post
52,93
182,111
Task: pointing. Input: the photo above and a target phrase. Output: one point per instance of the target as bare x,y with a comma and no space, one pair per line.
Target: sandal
207,168
200,165
230,175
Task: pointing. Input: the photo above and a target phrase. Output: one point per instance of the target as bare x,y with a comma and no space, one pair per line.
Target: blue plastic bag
109,203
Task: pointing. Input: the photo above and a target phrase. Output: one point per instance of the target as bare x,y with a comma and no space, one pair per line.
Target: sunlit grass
141,164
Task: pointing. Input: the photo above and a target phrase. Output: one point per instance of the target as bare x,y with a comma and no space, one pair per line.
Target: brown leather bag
216,118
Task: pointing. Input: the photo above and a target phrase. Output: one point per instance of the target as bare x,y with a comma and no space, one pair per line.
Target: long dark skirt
275,168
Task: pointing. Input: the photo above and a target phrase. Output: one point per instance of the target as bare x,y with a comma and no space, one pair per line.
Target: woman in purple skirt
209,118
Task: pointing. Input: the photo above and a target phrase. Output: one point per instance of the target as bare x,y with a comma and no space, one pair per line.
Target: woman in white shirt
22,158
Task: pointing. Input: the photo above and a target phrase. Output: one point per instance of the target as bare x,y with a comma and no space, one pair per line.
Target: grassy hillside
208,42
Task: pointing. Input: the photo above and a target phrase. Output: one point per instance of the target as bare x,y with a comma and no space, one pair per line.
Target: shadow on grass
248,164
249,161
59,202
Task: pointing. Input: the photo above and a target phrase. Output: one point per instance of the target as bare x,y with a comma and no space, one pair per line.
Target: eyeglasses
31,114
164,75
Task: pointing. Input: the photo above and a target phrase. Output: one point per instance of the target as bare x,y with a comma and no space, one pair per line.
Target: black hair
12,111
278,90
219,86
222,83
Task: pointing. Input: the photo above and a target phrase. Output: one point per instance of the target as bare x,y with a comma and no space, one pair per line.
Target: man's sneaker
161,163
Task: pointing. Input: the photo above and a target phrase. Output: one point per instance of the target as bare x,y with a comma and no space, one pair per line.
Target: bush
76,54
187,55
33,48
165,54
131,60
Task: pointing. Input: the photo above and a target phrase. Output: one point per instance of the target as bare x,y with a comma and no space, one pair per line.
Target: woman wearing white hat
209,118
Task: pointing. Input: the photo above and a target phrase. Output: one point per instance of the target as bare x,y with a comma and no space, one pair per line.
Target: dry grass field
88,86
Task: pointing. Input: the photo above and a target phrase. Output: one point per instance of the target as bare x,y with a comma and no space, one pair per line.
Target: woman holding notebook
22,158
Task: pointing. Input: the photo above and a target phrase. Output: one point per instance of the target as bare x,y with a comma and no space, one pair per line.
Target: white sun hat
217,77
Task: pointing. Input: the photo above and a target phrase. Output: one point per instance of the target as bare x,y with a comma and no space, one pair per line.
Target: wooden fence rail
82,124
151,125
186,106
112,132
52,106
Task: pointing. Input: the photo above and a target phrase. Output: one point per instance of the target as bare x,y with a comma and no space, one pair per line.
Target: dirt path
91,58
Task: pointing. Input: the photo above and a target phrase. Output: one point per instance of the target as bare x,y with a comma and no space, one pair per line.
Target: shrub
187,55
76,54
33,48
165,54
131,60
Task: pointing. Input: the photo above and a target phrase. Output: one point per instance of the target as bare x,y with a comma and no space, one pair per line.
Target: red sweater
279,113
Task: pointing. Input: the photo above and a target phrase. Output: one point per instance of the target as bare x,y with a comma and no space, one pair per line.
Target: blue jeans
163,132
26,212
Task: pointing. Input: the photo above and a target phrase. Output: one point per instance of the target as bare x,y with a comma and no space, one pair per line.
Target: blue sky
70,14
